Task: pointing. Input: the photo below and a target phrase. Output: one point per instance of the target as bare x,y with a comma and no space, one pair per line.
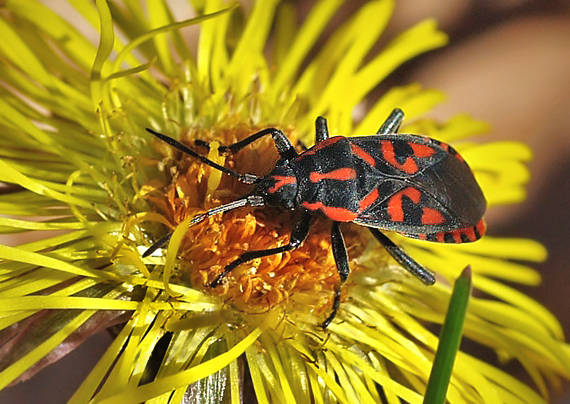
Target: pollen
260,284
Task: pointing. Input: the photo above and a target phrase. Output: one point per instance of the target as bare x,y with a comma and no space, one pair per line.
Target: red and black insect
413,185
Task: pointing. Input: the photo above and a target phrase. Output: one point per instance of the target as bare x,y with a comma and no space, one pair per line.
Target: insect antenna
252,200
246,178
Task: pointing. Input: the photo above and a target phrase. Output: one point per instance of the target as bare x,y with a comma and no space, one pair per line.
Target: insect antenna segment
252,200
245,178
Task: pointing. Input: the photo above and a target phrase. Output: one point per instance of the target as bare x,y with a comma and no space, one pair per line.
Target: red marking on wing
481,227
281,181
431,216
368,200
363,154
334,213
322,145
448,149
395,209
469,232
456,236
342,174
421,150
409,166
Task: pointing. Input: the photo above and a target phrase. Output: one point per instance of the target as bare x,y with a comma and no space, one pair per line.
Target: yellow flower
77,160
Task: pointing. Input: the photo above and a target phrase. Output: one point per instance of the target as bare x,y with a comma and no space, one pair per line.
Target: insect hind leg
419,271
342,266
392,123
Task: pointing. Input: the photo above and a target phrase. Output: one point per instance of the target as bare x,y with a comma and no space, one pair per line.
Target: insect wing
425,189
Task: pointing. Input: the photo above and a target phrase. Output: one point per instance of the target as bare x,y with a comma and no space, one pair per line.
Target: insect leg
419,271
245,178
321,129
298,235
282,143
392,123
341,259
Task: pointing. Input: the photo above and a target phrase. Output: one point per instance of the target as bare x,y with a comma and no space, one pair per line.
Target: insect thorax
279,187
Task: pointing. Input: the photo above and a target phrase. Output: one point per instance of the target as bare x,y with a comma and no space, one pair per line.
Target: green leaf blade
449,340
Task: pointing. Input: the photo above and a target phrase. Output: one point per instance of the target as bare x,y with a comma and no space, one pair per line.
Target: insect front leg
419,271
321,129
282,143
298,235
392,123
341,259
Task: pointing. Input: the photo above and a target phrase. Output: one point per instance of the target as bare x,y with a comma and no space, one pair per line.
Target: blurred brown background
508,63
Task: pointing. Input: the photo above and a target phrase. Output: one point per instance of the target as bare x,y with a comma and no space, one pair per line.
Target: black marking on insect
413,185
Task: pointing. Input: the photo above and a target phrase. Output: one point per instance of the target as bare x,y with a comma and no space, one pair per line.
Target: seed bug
413,185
